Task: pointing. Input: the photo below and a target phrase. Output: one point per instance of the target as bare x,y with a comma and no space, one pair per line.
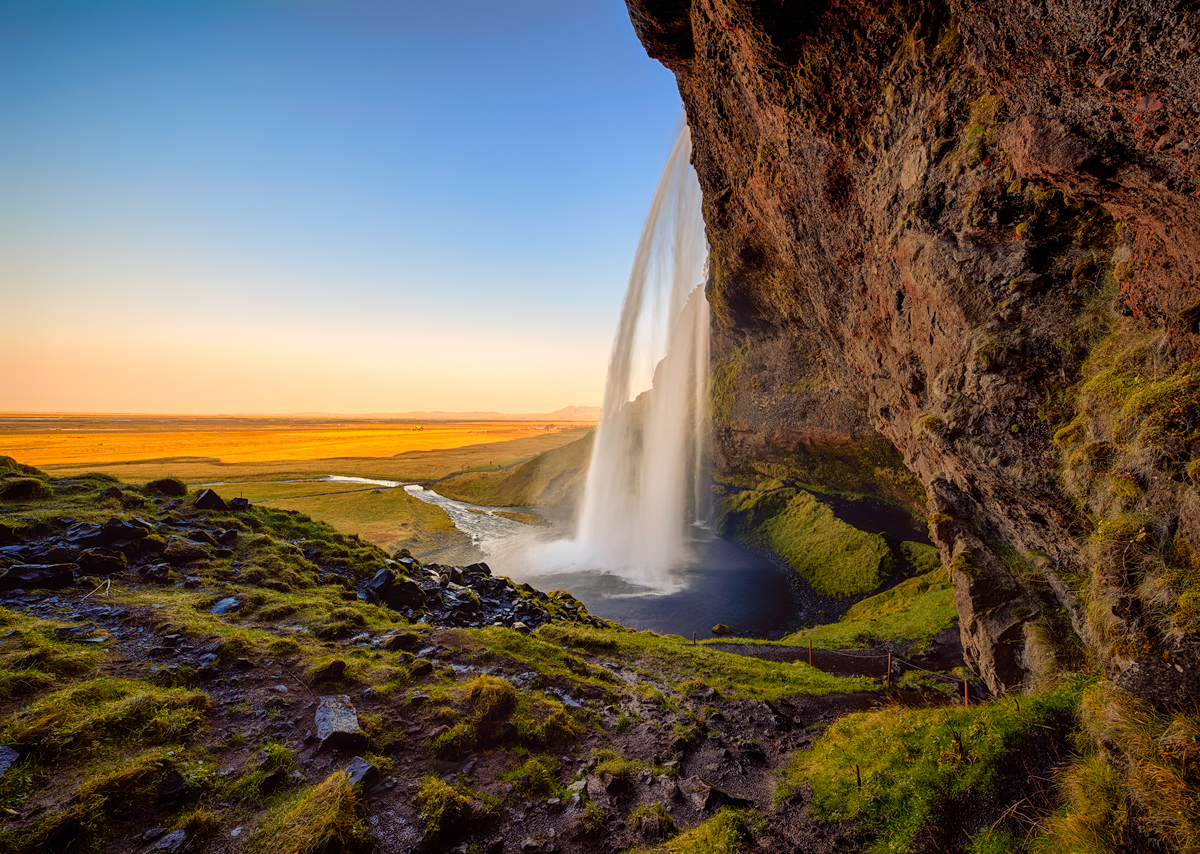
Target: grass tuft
322,819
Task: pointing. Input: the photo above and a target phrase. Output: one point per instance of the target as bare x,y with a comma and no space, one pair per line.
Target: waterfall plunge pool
722,582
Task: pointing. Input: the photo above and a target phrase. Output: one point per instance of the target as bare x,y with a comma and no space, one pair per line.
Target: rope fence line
864,654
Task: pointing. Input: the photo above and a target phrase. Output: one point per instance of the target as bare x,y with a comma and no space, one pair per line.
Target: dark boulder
118,530
394,591
23,489
331,672
206,499
173,787
38,576
239,505
361,771
101,562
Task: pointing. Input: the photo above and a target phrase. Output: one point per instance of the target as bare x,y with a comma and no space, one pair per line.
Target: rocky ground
181,674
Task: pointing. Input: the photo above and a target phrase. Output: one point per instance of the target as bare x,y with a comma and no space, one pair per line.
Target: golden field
250,456
80,440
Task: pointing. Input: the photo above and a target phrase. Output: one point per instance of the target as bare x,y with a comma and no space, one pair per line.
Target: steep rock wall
974,228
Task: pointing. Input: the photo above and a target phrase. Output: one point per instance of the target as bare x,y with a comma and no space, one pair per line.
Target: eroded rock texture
971,227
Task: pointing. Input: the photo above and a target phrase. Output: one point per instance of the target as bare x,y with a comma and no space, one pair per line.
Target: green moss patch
912,760
685,667
837,559
914,610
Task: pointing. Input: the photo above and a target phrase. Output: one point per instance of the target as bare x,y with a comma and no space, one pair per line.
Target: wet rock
394,591
37,576
337,724
173,787
705,796
206,499
226,605
171,842
8,757
361,771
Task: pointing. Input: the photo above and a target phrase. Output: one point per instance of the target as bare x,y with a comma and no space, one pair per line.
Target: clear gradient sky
320,205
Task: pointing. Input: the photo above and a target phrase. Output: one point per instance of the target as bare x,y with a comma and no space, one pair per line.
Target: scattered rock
173,787
361,771
171,842
206,499
337,724
226,605
8,756
705,796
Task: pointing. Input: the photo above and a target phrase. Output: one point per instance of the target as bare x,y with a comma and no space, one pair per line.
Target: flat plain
267,460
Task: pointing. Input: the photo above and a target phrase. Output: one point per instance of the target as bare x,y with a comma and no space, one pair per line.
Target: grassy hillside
171,685
553,478
835,558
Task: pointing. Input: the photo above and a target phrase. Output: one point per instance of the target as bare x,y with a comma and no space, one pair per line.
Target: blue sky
336,205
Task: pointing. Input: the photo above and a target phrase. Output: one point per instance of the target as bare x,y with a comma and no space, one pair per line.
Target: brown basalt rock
902,203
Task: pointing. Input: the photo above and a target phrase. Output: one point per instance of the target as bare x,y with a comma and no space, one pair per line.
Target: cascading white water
645,471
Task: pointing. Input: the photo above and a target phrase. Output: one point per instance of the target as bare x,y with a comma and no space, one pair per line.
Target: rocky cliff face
972,228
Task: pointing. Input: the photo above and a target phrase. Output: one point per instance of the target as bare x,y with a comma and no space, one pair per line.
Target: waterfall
644,486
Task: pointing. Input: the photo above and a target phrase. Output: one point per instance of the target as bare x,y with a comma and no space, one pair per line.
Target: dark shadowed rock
331,672
226,605
101,562
337,724
173,787
239,505
273,781
206,499
394,591
361,771
171,842
704,796
37,577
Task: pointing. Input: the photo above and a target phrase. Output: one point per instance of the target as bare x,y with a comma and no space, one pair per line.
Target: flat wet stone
337,724
226,605
8,756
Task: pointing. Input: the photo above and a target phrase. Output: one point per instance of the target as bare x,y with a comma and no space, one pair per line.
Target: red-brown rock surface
924,217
